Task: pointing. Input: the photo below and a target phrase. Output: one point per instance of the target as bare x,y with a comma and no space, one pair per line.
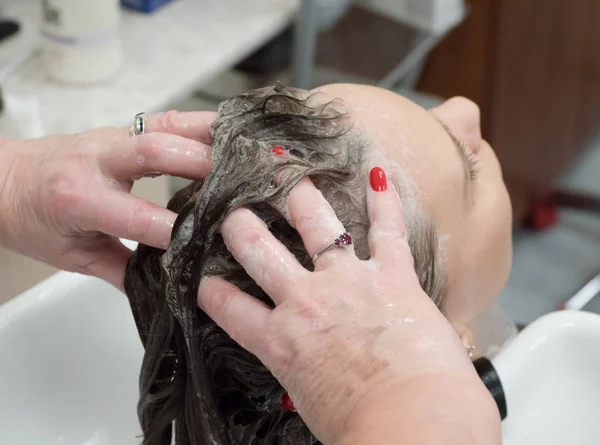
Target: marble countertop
167,56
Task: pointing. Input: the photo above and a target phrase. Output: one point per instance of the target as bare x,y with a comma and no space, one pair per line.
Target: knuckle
309,303
245,243
391,225
250,236
148,147
305,223
308,310
66,197
138,220
84,150
166,121
389,235
317,220
220,306
396,249
217,304
241,227
400,245
169,120
278,354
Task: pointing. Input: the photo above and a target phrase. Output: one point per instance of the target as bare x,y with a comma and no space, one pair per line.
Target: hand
349,334
65,199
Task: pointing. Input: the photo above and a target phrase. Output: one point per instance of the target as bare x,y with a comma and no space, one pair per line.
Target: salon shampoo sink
551,378
70,356
69,362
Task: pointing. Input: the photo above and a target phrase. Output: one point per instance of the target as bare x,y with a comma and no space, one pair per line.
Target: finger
387,233
191,125
156,153
107,263
317,224
125,216
268,262
239,314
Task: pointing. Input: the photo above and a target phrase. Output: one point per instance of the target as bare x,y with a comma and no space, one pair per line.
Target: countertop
167,56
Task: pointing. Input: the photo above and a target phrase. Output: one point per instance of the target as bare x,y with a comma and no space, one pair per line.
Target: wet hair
196,384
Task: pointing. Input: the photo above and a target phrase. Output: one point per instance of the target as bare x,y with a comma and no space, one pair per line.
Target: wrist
7,166
431,410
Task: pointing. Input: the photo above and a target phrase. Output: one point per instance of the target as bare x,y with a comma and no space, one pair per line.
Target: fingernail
286,403
278,150
378,180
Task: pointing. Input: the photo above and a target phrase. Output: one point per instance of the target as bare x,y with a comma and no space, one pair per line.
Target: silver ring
139,125
344,240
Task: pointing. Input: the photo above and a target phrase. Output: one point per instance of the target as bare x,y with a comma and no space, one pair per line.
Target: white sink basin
69,363
551,379
70,357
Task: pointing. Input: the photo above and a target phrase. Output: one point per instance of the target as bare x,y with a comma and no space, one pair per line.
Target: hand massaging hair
196,383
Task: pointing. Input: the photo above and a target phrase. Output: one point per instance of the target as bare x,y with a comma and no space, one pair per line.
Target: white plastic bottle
81,39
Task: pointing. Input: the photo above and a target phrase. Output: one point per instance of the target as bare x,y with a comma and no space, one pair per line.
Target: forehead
414,146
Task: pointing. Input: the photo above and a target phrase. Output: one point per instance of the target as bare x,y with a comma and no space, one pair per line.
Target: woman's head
446,171
264,142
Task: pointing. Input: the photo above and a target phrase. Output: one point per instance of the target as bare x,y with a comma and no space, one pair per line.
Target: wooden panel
463,63
538,81
540,70
590,92
534,68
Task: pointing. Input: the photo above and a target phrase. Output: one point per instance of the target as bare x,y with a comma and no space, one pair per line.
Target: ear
463,118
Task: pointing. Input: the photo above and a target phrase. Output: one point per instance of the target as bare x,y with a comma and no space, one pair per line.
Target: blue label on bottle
144,5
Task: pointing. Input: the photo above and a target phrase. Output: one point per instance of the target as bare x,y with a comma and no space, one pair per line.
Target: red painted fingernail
278,150
378,180
287,403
